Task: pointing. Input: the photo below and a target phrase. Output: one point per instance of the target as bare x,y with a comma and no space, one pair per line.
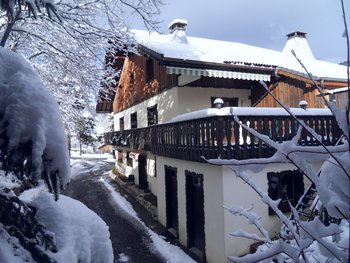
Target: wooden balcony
220,136
136,139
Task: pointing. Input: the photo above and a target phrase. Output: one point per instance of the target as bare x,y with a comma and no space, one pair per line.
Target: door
143,183
171,199
195,211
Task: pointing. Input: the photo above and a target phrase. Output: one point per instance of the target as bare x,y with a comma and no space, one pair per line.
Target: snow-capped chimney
297,41
178,24
296,34
178,31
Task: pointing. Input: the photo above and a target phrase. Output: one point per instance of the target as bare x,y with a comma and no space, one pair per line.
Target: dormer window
149,70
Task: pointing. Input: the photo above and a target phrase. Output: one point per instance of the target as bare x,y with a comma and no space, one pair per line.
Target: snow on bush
81,235
33,141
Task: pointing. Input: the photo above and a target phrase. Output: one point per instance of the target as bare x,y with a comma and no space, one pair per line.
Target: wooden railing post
237,133
219,133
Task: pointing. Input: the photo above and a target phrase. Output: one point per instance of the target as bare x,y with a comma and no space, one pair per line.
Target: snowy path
132,241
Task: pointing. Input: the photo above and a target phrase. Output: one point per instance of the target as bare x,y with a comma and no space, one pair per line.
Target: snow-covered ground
81,235
171,253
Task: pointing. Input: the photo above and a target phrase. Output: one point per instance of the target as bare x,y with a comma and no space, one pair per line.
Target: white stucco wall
124,169
177,101
127,170
237,193
151,173
221,187
167,109
192,99
213,200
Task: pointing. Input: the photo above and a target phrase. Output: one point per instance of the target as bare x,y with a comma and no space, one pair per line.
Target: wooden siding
133,87
290,92
327,83
104,107
341,99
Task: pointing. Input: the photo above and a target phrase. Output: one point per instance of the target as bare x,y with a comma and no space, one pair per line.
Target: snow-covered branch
339,114
307,128
253,218
332,185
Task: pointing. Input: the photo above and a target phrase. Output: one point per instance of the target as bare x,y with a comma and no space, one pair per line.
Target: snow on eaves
216,51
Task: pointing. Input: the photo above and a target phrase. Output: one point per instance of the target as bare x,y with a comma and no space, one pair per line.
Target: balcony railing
139,139
221,136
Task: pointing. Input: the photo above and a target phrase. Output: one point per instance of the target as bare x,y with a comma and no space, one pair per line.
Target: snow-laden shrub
33,144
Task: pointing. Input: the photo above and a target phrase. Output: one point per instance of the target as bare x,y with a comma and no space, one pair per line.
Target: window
287,186
149,70
152,115
121,123
228,102
133,120
129,160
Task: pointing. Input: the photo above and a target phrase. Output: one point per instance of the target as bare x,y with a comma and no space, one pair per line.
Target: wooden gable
141,78
290,88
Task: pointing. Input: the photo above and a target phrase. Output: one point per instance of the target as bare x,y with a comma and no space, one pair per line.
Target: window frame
149,70
133,120
152,115
121,124
287,186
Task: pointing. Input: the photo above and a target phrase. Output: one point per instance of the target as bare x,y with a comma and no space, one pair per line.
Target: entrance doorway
171,200
195,213
143,182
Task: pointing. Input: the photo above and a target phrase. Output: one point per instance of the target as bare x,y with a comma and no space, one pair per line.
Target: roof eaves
305,77
150,52
228,65
175,62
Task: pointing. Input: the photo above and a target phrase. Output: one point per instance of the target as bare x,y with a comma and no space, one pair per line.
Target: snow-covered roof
185,47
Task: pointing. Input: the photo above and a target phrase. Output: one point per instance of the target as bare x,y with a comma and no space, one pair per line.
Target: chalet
167,116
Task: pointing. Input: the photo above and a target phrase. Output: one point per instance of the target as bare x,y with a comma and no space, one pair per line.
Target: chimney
296,34
297,41
178,24
178,31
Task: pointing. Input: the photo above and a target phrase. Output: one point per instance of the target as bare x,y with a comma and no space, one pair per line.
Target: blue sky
263,23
